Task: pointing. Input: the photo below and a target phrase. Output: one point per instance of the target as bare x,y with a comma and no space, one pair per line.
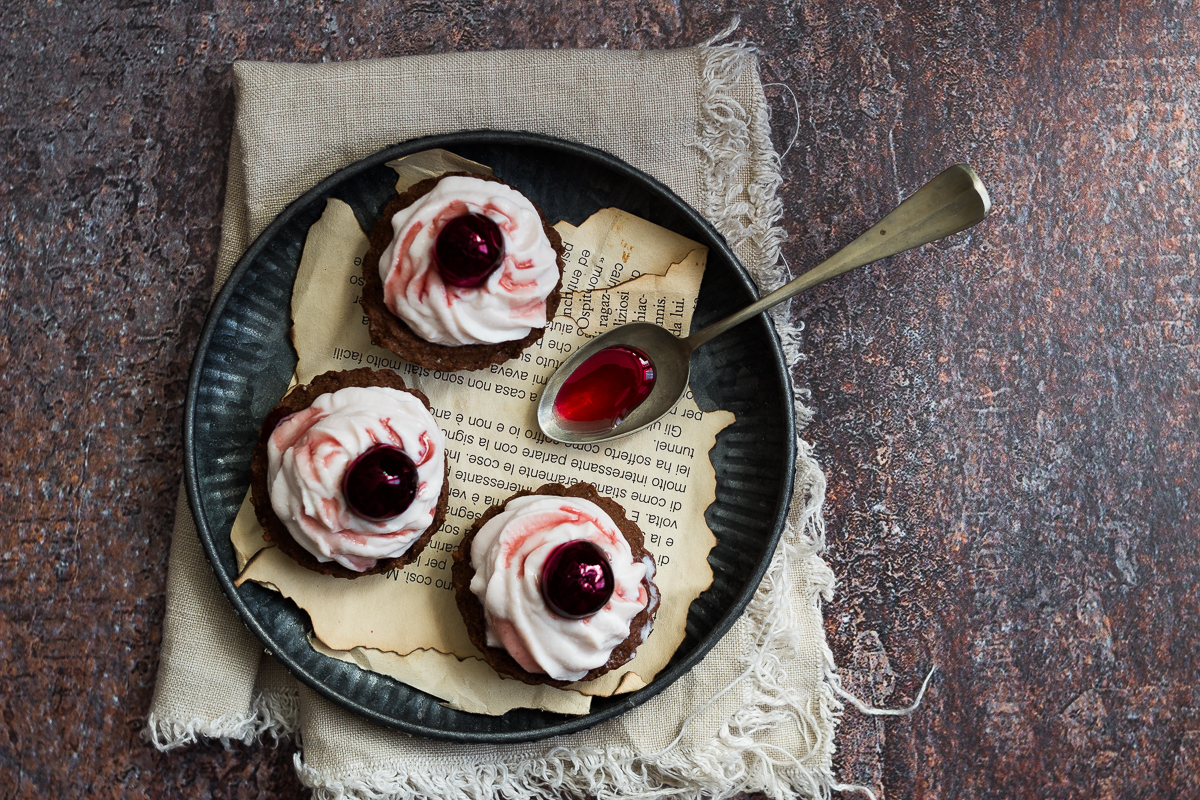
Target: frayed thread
274,714
740,194
593,772
885,712
796,123
854,787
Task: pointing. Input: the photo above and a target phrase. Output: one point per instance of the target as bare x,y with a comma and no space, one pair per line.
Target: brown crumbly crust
299,399
472,609
389,331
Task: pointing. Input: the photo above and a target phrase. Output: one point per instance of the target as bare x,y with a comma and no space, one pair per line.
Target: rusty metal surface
1009,421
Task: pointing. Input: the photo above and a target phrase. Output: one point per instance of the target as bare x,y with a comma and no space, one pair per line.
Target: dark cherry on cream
605,388
577,580
468,249
381,483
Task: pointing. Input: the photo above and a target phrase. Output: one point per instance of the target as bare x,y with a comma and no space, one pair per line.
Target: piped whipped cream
308,455
507,554
505,307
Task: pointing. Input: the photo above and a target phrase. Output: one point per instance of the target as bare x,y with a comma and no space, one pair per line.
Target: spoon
953,201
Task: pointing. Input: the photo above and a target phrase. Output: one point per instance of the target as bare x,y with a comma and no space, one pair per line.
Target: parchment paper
619,268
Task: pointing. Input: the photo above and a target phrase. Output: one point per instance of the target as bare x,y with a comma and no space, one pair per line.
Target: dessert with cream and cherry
350,475
463,271
556,586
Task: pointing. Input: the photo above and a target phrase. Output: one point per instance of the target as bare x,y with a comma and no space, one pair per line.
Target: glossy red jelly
605,388
577,580
381,483
468,249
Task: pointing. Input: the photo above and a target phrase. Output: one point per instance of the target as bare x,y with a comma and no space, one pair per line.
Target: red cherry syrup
468,249
605,388
577,580
381,483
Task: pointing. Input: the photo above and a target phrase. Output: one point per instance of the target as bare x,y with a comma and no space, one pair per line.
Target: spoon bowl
672,365
952,201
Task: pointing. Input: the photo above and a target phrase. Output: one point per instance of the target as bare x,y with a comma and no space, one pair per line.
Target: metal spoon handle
953,201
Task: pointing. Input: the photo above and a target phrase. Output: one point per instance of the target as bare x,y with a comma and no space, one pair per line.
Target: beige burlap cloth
758,713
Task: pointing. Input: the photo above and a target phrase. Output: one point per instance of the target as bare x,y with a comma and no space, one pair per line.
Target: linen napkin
758,713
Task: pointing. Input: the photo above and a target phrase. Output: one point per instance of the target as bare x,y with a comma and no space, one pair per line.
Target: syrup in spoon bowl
610,397
952,201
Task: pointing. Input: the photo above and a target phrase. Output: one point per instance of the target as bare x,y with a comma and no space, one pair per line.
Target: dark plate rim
191,474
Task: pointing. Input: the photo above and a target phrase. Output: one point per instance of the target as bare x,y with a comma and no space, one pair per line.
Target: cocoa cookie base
472,609
274,530
389,331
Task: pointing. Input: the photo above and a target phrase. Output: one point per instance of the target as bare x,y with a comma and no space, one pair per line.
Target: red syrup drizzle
605,388
468,249
577,580
381,483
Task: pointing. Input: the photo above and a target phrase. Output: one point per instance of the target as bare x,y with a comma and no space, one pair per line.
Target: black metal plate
245,359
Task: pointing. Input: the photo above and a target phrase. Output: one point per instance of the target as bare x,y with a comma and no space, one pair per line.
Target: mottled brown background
1008,420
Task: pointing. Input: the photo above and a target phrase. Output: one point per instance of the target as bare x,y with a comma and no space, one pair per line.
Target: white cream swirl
507,554
308,454
505,307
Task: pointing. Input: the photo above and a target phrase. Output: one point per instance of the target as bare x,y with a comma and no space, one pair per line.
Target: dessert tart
463,271
349,476
555,585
